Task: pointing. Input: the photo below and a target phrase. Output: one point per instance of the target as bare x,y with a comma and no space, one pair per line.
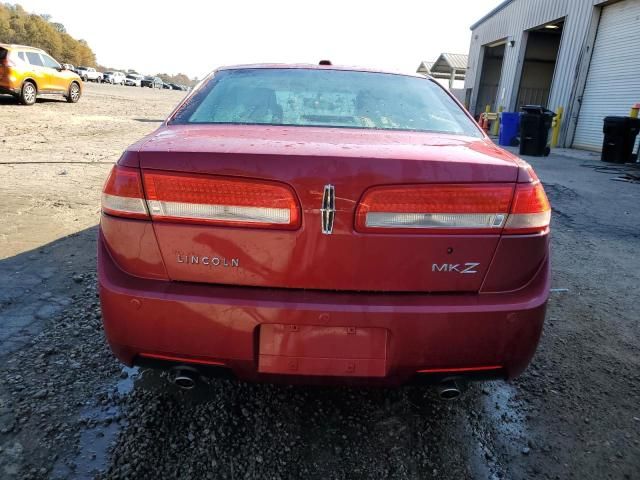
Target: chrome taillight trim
435,220
223,213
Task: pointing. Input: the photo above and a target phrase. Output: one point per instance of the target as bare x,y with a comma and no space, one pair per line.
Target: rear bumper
220,325
8,89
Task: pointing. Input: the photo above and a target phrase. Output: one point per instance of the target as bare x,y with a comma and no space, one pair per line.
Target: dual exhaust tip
450,390
186,378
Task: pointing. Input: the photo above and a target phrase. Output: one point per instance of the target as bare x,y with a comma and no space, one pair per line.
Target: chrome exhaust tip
184,377
449,390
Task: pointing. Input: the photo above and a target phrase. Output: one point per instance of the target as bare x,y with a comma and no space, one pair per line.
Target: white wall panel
613,81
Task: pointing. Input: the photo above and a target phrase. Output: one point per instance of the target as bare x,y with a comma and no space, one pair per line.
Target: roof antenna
325,62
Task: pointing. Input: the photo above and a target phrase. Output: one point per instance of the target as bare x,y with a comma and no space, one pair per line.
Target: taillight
7,61
530,212
220,200
122,194
441,208
455,209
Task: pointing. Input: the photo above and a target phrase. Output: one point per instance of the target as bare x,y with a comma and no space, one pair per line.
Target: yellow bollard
555,126
635,110
495,127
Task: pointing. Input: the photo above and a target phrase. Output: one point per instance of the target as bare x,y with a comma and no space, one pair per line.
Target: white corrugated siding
520,16
613,82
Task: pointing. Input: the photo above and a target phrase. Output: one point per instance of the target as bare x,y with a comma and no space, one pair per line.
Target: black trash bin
535,123
619,138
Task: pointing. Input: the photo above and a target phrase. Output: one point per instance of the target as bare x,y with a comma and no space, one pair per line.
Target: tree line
21,27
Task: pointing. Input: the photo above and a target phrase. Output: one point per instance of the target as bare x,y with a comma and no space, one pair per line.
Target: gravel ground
68,409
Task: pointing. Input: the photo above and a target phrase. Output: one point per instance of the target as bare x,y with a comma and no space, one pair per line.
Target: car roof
13,46
314,66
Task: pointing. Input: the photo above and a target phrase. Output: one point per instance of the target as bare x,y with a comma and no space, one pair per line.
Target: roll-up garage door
613,82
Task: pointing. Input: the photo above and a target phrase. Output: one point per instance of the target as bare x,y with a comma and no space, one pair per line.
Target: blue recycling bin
509,128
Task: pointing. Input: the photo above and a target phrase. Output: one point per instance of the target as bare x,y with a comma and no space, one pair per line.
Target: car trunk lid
309,160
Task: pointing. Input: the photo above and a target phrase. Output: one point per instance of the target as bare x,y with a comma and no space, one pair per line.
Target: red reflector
172,358
461,369
466,208
220,200
531,212
122,193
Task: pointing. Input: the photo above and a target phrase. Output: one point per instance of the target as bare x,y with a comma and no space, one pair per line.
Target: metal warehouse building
583,55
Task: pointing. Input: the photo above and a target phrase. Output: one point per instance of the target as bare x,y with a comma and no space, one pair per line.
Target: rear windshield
325,98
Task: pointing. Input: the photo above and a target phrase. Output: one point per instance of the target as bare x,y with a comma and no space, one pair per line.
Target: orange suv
26,72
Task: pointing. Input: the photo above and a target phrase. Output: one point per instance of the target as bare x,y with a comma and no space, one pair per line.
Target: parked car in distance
89,74
151,82
114,78
27,72
133,80
68,66
324,224
166,86
175,86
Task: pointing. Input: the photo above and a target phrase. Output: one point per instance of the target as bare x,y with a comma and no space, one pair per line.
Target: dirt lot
54,158
69,410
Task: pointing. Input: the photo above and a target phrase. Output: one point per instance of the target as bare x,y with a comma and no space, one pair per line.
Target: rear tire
74,93
28,93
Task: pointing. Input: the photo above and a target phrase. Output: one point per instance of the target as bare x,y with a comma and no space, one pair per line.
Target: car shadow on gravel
53,357
149,120
10,100
39,284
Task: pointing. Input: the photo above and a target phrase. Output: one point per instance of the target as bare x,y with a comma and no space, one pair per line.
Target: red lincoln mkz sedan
322,224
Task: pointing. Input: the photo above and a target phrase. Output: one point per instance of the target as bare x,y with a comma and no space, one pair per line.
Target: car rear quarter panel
132,245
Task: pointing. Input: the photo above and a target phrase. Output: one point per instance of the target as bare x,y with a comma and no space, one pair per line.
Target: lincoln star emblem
328,209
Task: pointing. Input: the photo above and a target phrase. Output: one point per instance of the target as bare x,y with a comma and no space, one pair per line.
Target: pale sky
196,36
